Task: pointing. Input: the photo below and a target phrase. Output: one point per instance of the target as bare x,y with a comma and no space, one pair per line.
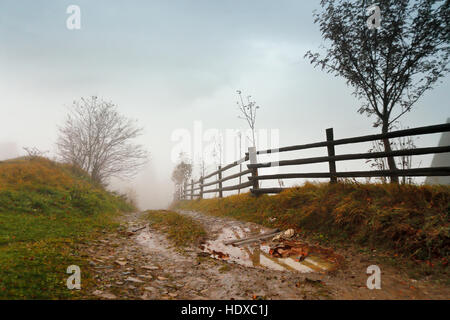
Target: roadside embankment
410,221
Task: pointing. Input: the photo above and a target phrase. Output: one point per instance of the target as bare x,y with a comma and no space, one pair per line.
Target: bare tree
389,67
202,166
239,135
96,138
217,152
33,152
248,111
403,162
378,163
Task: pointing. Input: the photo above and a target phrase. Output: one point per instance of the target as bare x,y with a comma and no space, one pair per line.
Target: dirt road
144,265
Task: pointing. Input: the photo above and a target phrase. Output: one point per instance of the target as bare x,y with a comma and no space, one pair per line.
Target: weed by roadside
181,230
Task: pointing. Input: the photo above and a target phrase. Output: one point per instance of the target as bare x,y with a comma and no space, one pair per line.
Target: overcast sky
169,64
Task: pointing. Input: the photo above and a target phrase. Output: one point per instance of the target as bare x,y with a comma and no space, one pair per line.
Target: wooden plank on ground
266,235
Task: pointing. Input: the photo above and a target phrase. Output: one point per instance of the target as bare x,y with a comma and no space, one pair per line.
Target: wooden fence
197,189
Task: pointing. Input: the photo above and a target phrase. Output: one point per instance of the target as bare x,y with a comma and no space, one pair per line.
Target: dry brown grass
411,220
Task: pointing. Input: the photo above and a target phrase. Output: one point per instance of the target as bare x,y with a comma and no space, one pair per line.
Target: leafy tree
389,67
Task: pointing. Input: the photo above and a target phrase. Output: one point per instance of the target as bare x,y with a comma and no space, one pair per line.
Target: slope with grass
46,210
406,220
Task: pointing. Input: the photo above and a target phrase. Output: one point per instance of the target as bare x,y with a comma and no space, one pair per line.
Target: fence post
185,190
240,177
201,187
253,160
220,182
192,189
331,153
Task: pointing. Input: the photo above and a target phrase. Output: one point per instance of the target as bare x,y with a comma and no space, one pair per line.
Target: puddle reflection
257,254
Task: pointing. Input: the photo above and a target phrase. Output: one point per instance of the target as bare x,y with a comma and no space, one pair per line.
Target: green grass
406,221
42,226
181,230
34,259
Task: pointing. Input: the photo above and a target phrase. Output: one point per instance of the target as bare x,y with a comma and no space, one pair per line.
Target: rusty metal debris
286,253
299,251
285,250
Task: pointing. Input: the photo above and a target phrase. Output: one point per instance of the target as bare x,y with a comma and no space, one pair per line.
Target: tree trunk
387,148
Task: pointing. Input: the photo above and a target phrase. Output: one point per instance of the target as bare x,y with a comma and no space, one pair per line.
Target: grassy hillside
46,210
412,221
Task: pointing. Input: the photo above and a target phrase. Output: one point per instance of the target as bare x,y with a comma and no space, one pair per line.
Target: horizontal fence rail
374,137
423,172
357,156
197,189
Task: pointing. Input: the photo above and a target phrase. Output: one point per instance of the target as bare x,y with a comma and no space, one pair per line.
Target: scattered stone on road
146,266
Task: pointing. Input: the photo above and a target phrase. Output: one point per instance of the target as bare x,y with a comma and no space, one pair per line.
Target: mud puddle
262,253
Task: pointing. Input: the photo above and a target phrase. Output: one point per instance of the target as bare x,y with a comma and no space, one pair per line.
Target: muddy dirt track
144,265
